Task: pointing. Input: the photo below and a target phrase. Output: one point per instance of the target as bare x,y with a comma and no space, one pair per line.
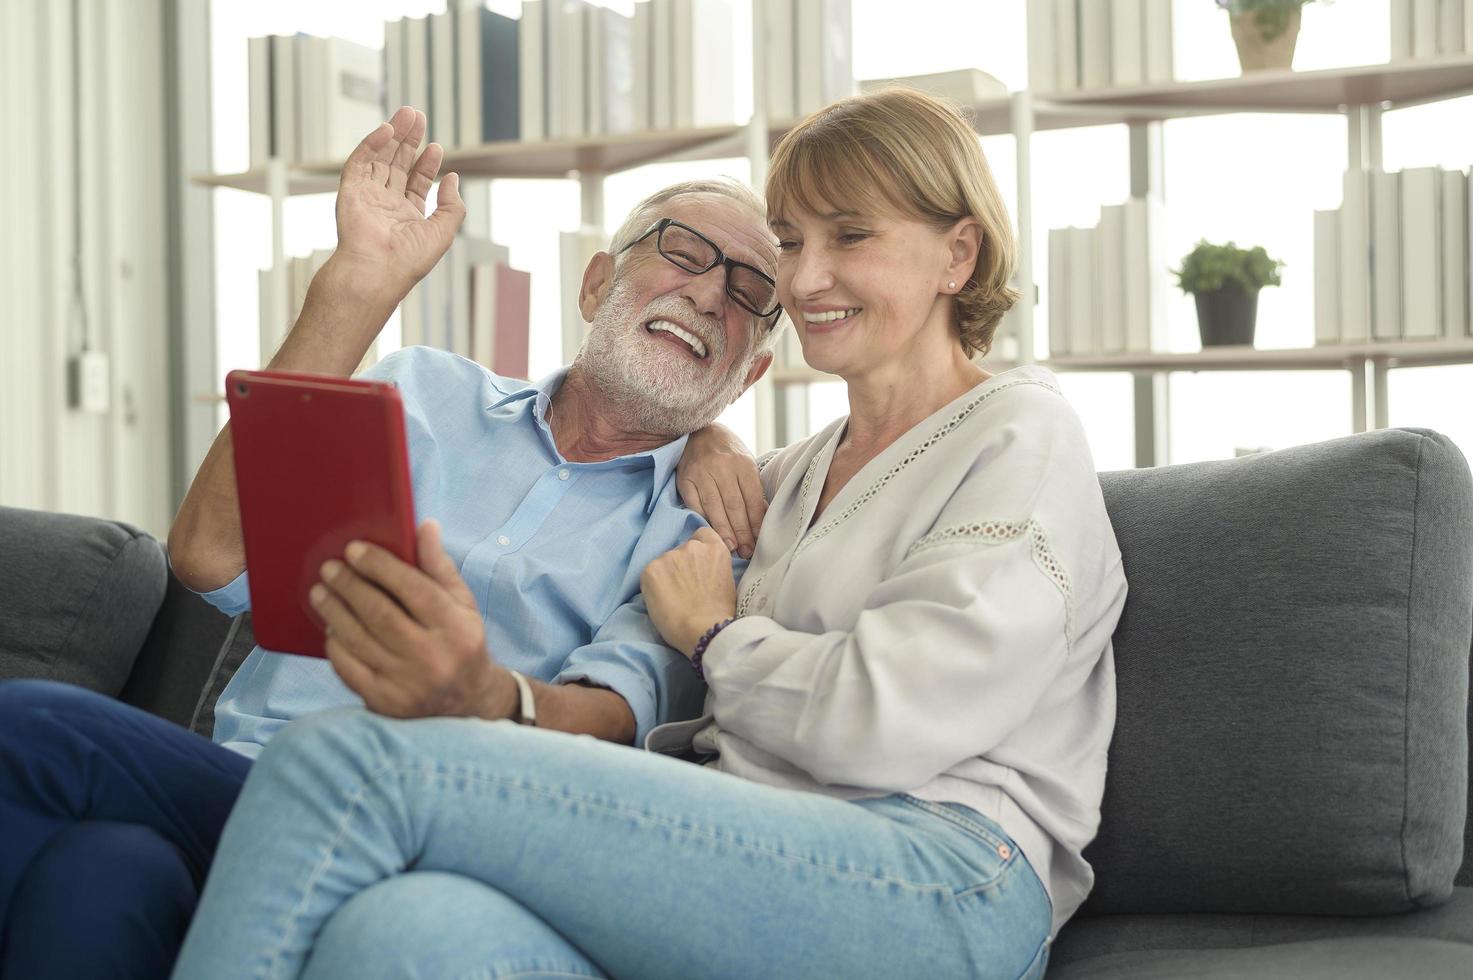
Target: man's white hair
652,209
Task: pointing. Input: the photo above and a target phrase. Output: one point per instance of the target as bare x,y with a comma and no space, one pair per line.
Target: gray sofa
1288,783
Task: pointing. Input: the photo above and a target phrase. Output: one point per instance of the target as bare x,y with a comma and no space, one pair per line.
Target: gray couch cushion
1325,959
1292,674
238,644
1101,935
78,597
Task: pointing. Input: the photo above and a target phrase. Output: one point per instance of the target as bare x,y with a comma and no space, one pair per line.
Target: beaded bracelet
705,641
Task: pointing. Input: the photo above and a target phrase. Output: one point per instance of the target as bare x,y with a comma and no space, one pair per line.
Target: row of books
473,303
1094,44
809,57
461,67
1392,262
1107,285
311,98
1430,28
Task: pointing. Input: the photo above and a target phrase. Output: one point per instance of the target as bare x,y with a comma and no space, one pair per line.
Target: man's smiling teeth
829,316
691,340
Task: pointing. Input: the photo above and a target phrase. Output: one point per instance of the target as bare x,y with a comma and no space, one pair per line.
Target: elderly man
540,505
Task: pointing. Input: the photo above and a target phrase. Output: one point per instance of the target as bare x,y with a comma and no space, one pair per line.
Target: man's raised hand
381,203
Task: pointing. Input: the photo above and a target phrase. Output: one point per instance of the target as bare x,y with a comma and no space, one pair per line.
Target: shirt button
503,541
562,474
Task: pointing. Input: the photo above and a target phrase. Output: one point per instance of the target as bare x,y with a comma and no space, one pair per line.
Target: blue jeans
453,848
108,820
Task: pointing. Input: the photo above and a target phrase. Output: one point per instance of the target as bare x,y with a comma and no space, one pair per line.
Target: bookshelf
1362,94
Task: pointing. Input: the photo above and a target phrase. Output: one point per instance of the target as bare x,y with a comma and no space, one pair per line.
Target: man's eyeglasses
686,248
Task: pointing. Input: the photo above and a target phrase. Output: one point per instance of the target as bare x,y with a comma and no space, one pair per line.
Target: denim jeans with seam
453,848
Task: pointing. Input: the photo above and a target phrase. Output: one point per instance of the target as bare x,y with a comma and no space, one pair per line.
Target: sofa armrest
79,597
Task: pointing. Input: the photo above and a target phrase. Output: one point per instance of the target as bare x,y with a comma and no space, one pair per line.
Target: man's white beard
659,389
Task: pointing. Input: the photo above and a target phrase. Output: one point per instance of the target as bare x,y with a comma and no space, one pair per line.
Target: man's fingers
359,165
449,208
401,583
357,675
756,502
402,120
426,168
346,628
720,514
404,156
378,609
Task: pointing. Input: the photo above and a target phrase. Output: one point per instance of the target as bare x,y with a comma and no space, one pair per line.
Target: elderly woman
911,691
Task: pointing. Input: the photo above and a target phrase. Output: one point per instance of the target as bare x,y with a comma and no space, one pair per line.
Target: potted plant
1225,281
1265,31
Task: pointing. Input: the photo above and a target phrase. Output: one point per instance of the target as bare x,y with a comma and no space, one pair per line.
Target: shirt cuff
232,598
732,664
630,684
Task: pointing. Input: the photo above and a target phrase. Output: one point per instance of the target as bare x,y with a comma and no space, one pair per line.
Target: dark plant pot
1227,316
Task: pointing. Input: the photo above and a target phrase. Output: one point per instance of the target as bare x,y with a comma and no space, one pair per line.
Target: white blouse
942,630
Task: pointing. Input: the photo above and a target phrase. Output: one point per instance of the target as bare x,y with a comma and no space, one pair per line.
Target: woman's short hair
904,151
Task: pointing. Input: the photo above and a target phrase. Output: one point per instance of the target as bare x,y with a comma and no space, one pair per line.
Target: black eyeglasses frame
722,259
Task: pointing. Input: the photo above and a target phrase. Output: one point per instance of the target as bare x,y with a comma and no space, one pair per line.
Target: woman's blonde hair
901,150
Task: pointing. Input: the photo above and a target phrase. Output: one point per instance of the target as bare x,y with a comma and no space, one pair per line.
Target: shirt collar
663,459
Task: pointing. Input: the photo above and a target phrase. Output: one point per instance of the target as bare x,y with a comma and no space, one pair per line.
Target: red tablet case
319,461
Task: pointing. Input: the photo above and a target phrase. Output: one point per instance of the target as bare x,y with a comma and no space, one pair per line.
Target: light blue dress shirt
552,551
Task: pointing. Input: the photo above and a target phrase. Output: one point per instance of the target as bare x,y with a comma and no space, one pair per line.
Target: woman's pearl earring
951,285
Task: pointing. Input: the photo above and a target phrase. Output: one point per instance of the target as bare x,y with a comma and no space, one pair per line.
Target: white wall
53,457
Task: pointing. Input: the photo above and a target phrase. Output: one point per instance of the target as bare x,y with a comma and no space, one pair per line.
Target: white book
258,75
662,60
458,298
411,317
703,64
964,86
1127,42
1467,25
640,43
1450,27
1326,277
1094,44
1386,255
1042,73
575,250
1058,292
1424,28
1084,322
394,93
1454,255
1110,266
269,329
1160,47
312,72
1354,242
443,115
1066,45
284,97
567,60
1401,30
483,313
837,50
531,47
1421,252
779,26
1147,288
594,81
807,38
416,66
468,72
351,83
615,93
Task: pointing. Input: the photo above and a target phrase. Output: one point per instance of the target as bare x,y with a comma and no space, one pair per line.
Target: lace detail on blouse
997,532
766,458
949,427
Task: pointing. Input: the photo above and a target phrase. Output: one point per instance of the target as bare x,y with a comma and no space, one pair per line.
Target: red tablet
319,461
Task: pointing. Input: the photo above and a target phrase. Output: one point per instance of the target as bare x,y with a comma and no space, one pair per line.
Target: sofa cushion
1292,679
1101,935
79,595
238,644
179,656
1325,959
